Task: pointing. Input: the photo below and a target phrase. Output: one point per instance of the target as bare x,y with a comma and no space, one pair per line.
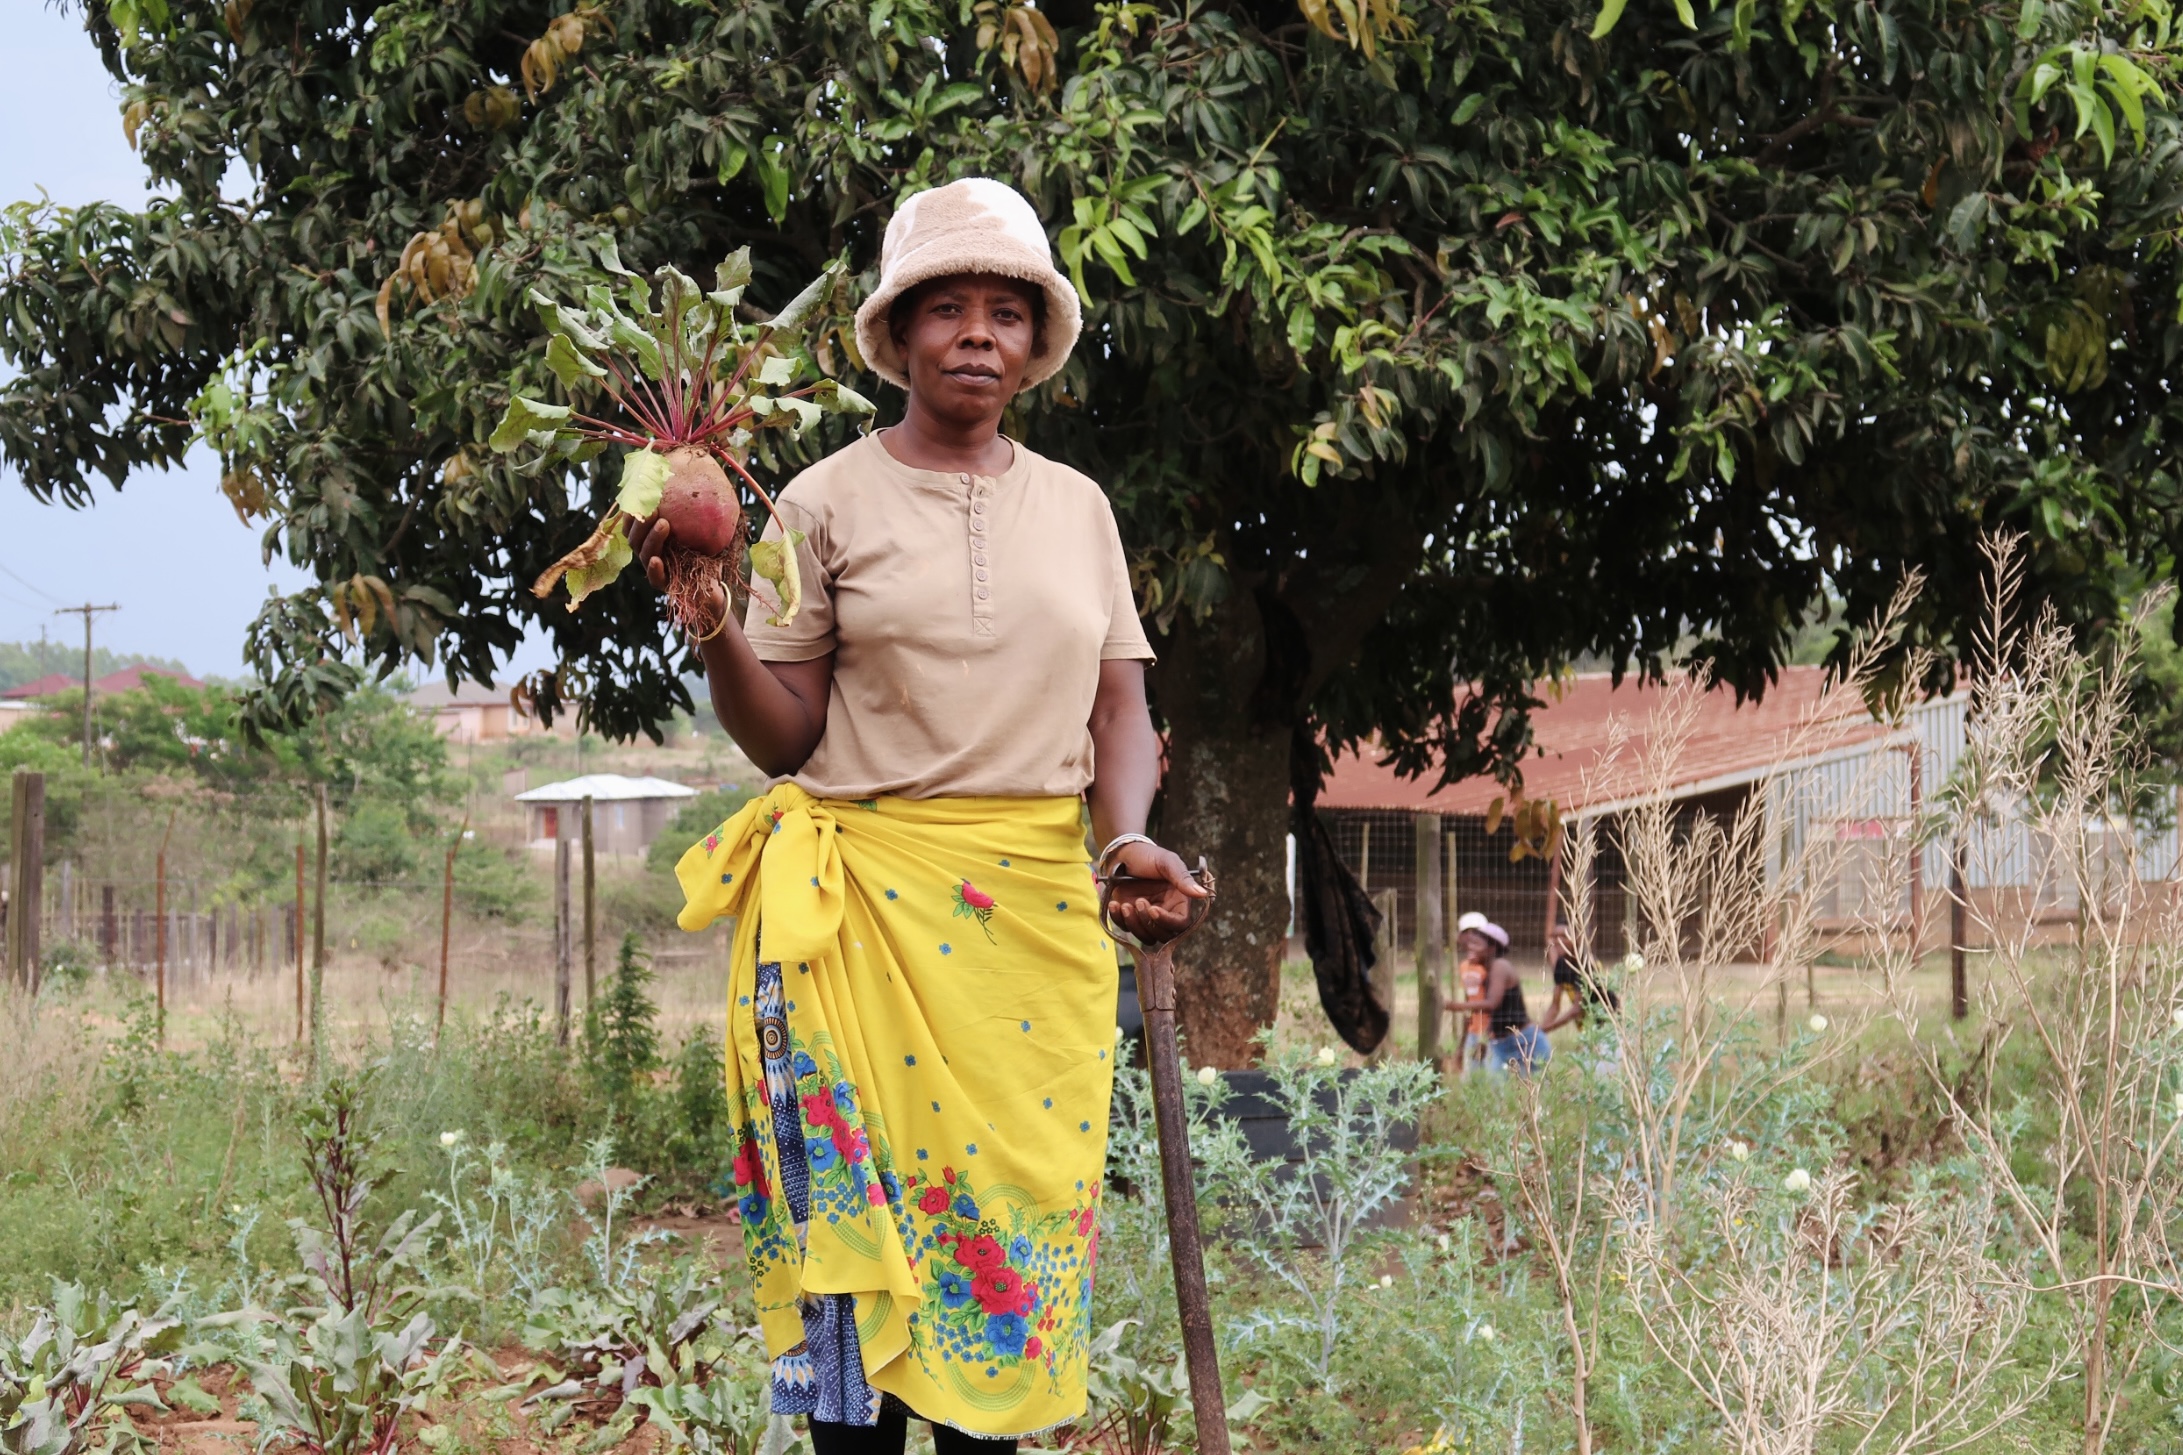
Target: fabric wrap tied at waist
944,1025
792,842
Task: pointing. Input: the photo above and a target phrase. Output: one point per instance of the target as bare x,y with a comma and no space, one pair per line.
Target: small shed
627,813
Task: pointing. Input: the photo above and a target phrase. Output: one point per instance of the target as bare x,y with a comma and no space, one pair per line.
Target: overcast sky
167,548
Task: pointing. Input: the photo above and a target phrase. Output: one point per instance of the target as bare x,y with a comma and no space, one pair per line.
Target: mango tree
1431,347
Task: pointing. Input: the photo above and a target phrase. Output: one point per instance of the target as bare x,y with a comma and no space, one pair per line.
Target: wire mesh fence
1381,846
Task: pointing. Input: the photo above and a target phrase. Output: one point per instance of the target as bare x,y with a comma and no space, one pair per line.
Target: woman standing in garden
922,997
1512,1040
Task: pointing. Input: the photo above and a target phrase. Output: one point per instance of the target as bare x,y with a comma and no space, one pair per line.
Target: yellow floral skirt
945,1025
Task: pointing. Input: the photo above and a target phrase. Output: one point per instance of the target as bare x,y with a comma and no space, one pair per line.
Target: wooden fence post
591,946
109,927
1430,935
318,940
563,939
159,929
295,934
447,922
26,864
1384,946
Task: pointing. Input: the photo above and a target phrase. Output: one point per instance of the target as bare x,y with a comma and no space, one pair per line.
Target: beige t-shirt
968,616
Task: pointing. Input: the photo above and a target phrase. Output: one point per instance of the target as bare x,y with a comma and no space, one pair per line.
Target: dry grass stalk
2052,745
1893,1324
1786,1336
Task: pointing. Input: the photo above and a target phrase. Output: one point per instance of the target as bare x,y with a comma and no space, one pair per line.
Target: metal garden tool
1155,954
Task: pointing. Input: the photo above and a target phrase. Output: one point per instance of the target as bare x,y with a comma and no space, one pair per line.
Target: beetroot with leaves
687,387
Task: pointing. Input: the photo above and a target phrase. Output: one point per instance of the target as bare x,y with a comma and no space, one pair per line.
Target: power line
31,584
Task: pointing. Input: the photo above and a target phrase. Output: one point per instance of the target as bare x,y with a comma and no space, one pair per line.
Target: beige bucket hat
976,225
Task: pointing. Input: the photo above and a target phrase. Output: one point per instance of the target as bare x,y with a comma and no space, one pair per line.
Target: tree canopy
1428,346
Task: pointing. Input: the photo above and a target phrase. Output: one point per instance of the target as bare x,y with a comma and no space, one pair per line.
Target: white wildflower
1387,1280
1741,1151
1483,1334
1817,1023
2176,1017
1207,1076
1633,961
449,1139
2179,1103
1798,1180
1443,1242
1326,1056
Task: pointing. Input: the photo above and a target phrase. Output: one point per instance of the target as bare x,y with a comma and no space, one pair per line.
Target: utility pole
86,611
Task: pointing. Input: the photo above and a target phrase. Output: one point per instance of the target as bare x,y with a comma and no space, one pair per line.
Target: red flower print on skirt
973,903
1001,1291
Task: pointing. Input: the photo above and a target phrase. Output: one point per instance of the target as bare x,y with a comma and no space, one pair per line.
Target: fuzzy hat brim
972,226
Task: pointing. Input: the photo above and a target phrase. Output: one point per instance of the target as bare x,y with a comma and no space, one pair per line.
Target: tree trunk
1226,796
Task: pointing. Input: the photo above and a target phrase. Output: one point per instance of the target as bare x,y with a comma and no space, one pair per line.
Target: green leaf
838,398
569,366
731,278
774,178
644,478
190,1394
791,319
610,258
527,417
775,561
776,371
1609,13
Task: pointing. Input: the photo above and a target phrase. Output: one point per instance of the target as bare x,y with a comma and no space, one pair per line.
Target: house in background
128,679
1822,772
476,712
626,813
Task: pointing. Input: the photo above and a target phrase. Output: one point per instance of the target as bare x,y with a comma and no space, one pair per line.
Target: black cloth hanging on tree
1339,921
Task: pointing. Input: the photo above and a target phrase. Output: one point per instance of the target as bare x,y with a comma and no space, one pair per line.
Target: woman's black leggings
888,1436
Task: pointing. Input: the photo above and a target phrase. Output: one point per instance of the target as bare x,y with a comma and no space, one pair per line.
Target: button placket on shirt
981,586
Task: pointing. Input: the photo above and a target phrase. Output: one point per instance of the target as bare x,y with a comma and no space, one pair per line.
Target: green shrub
621,1034
497,882
66,970
699,817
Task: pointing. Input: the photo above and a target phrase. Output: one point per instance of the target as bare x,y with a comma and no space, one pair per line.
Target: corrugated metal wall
1864,796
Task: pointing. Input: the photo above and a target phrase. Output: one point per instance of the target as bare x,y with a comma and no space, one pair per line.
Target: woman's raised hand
1154,905
648,539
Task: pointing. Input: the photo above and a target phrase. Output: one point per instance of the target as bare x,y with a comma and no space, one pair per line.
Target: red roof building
1601,745
46,686
1600,749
